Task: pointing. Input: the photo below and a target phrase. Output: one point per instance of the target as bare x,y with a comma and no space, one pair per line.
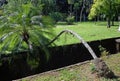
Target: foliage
76,6
57,16
104,7
95,9
16,30
70,1
70,20
48,6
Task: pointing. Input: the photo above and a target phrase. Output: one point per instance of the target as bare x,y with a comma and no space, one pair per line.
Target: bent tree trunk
100,66
80,38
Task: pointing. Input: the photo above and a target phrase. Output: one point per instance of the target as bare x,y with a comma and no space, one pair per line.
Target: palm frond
5,36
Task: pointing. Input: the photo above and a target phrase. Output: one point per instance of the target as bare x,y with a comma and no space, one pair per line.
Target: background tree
56,16
81,12
85,6
105,7
48,6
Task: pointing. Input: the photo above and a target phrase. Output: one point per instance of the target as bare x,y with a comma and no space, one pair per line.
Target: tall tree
81,12
106,7
85,9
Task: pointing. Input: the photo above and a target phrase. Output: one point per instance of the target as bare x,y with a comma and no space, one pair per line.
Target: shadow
114,78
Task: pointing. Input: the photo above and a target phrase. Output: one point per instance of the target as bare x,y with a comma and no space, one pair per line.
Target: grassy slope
89,31
79,72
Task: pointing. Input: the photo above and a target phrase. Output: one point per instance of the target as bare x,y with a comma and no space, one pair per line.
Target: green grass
89,31
79,72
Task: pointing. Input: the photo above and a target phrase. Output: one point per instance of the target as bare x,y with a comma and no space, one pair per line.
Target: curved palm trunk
80,38
100,66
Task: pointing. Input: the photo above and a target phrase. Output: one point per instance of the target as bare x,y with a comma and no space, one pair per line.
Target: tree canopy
109,8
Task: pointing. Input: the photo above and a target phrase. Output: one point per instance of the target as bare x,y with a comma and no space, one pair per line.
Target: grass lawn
79,72
89,31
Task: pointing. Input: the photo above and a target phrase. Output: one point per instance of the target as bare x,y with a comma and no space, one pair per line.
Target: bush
70,20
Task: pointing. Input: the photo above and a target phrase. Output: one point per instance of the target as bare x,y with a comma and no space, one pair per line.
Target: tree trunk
110,15
81,13
109,22
80,38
